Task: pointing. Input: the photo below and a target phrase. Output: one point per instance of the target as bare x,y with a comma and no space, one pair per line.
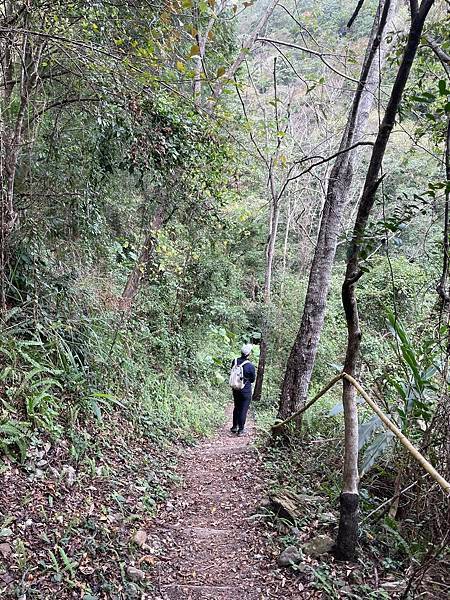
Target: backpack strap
244,363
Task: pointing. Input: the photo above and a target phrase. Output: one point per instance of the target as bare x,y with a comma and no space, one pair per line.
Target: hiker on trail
242,376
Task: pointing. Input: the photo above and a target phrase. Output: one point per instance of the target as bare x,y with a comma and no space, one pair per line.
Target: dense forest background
159,209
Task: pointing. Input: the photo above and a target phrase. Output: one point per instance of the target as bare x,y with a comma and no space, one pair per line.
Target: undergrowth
91,423
392,545
56,378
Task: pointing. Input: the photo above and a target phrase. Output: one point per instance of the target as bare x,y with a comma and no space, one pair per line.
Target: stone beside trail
211,544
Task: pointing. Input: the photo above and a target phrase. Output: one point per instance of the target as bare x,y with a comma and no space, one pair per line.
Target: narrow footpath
212,545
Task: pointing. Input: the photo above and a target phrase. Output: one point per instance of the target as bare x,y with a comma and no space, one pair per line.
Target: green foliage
31,381
14,437
63,364
177,410
113,142
112,138
48,390
415,381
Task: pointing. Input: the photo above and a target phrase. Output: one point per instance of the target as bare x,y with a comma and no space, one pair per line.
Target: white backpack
237,375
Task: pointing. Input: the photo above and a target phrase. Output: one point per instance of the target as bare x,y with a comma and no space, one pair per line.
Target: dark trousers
241,404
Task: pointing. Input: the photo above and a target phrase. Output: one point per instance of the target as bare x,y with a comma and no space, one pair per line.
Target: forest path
212,545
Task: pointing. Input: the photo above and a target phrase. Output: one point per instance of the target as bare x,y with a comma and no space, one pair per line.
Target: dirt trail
213,547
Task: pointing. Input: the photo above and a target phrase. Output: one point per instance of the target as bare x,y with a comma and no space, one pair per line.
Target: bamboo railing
425,464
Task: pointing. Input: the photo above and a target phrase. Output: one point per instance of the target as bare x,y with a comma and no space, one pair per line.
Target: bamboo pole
445,485
304,408
428,467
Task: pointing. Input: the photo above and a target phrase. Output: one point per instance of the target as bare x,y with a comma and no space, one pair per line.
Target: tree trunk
348,525
270,253
134,280
198,69
303,353
442,287
290,212
445,404
246,47
442,414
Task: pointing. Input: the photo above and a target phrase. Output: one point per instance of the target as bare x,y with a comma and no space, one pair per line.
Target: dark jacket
249,376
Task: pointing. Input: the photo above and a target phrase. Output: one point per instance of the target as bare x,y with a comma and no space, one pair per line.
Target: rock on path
211,544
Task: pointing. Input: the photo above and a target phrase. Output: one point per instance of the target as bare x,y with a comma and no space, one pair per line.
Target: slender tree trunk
348,525
274,218
303,353
246,47
270,253
444,404
290,212
442,287
442,414
134,280
199,66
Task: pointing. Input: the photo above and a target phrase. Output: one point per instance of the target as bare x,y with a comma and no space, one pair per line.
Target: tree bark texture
303,353
346,540
348,525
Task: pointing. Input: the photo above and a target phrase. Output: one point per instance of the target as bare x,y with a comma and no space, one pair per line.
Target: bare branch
325,159
440,53
61,38
355,13
61,103
246,46
252,137
320,55
299,24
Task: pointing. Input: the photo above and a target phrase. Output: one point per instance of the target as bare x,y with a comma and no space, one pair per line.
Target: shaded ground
211,544
215,542
100,525
68,515
77,520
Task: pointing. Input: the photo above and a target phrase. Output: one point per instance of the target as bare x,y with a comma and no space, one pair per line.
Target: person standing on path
242,376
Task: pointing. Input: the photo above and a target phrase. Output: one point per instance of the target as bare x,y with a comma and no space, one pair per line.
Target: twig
426,465
320,162
320,55
322,392
387,502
